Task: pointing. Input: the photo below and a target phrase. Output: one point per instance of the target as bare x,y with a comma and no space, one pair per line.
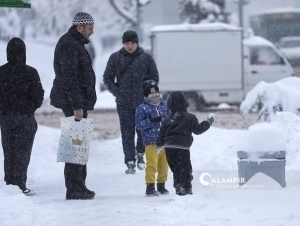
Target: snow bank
263,137
282,95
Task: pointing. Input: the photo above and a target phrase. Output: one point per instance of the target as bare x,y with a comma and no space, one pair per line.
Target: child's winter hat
149,86
177,102
130,36
82,18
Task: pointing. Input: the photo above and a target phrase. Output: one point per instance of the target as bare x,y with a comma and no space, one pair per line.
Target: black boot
189,191
78,196
161,189
150,191
180,190
90,192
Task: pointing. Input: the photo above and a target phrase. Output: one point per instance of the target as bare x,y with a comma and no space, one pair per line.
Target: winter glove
155,119
159,149
211,118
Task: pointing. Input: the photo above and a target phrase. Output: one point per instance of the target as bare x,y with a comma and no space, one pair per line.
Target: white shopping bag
75,139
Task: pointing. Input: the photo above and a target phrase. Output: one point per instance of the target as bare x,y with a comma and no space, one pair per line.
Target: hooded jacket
21,90
74,83
148,129
177,128
126,85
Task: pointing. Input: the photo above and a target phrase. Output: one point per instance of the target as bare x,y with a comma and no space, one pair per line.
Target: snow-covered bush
283,95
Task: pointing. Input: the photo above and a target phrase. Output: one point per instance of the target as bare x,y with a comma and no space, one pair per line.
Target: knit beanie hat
82,18
149,86
130,36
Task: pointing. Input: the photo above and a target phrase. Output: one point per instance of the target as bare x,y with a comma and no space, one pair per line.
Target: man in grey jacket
124,74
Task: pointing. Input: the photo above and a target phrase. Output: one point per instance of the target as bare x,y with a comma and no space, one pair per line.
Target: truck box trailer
206,61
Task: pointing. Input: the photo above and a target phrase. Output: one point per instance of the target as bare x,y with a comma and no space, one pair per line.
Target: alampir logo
207,179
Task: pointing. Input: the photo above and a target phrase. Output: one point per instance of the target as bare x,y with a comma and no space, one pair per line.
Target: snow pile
263,137
282,134
290,124
282,95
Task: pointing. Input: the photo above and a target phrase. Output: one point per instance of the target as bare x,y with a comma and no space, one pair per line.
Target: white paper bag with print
75,139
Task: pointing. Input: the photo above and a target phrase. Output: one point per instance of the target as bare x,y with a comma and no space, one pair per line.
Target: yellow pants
155,163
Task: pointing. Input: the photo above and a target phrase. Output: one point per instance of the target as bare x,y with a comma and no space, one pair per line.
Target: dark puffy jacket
74,83
177,128
148,129
21,91
127,87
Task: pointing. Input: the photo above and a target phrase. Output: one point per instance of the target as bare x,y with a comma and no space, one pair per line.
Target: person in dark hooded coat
176,136
21,94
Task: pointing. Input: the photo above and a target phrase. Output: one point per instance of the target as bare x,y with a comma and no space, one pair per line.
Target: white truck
212,63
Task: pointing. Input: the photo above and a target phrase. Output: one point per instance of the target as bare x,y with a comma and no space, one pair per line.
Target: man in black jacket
74,92
21,94
124,74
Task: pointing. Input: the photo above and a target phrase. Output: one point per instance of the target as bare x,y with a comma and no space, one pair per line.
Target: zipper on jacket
158,115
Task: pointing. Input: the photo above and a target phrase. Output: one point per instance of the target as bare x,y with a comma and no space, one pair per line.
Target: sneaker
150,191
28,192
140,161
131,168
161,189
78,196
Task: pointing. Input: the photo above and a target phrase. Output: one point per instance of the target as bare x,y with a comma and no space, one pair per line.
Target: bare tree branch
122,14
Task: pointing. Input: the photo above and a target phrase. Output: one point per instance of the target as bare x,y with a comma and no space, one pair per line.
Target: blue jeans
128,130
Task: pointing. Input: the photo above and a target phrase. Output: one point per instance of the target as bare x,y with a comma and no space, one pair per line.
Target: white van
263,62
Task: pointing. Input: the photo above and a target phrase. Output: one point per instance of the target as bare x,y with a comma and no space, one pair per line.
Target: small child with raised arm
148,119
175,137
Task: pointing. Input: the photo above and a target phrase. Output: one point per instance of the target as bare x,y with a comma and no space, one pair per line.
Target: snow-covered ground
120,198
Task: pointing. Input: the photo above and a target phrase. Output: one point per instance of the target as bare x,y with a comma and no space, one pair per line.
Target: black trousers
180,164
128,130
18,132
75,174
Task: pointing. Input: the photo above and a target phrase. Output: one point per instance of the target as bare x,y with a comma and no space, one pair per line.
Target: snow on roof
256,40
195,27
290,38
278,10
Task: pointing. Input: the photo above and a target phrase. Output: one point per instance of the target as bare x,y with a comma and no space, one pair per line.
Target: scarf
155,101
